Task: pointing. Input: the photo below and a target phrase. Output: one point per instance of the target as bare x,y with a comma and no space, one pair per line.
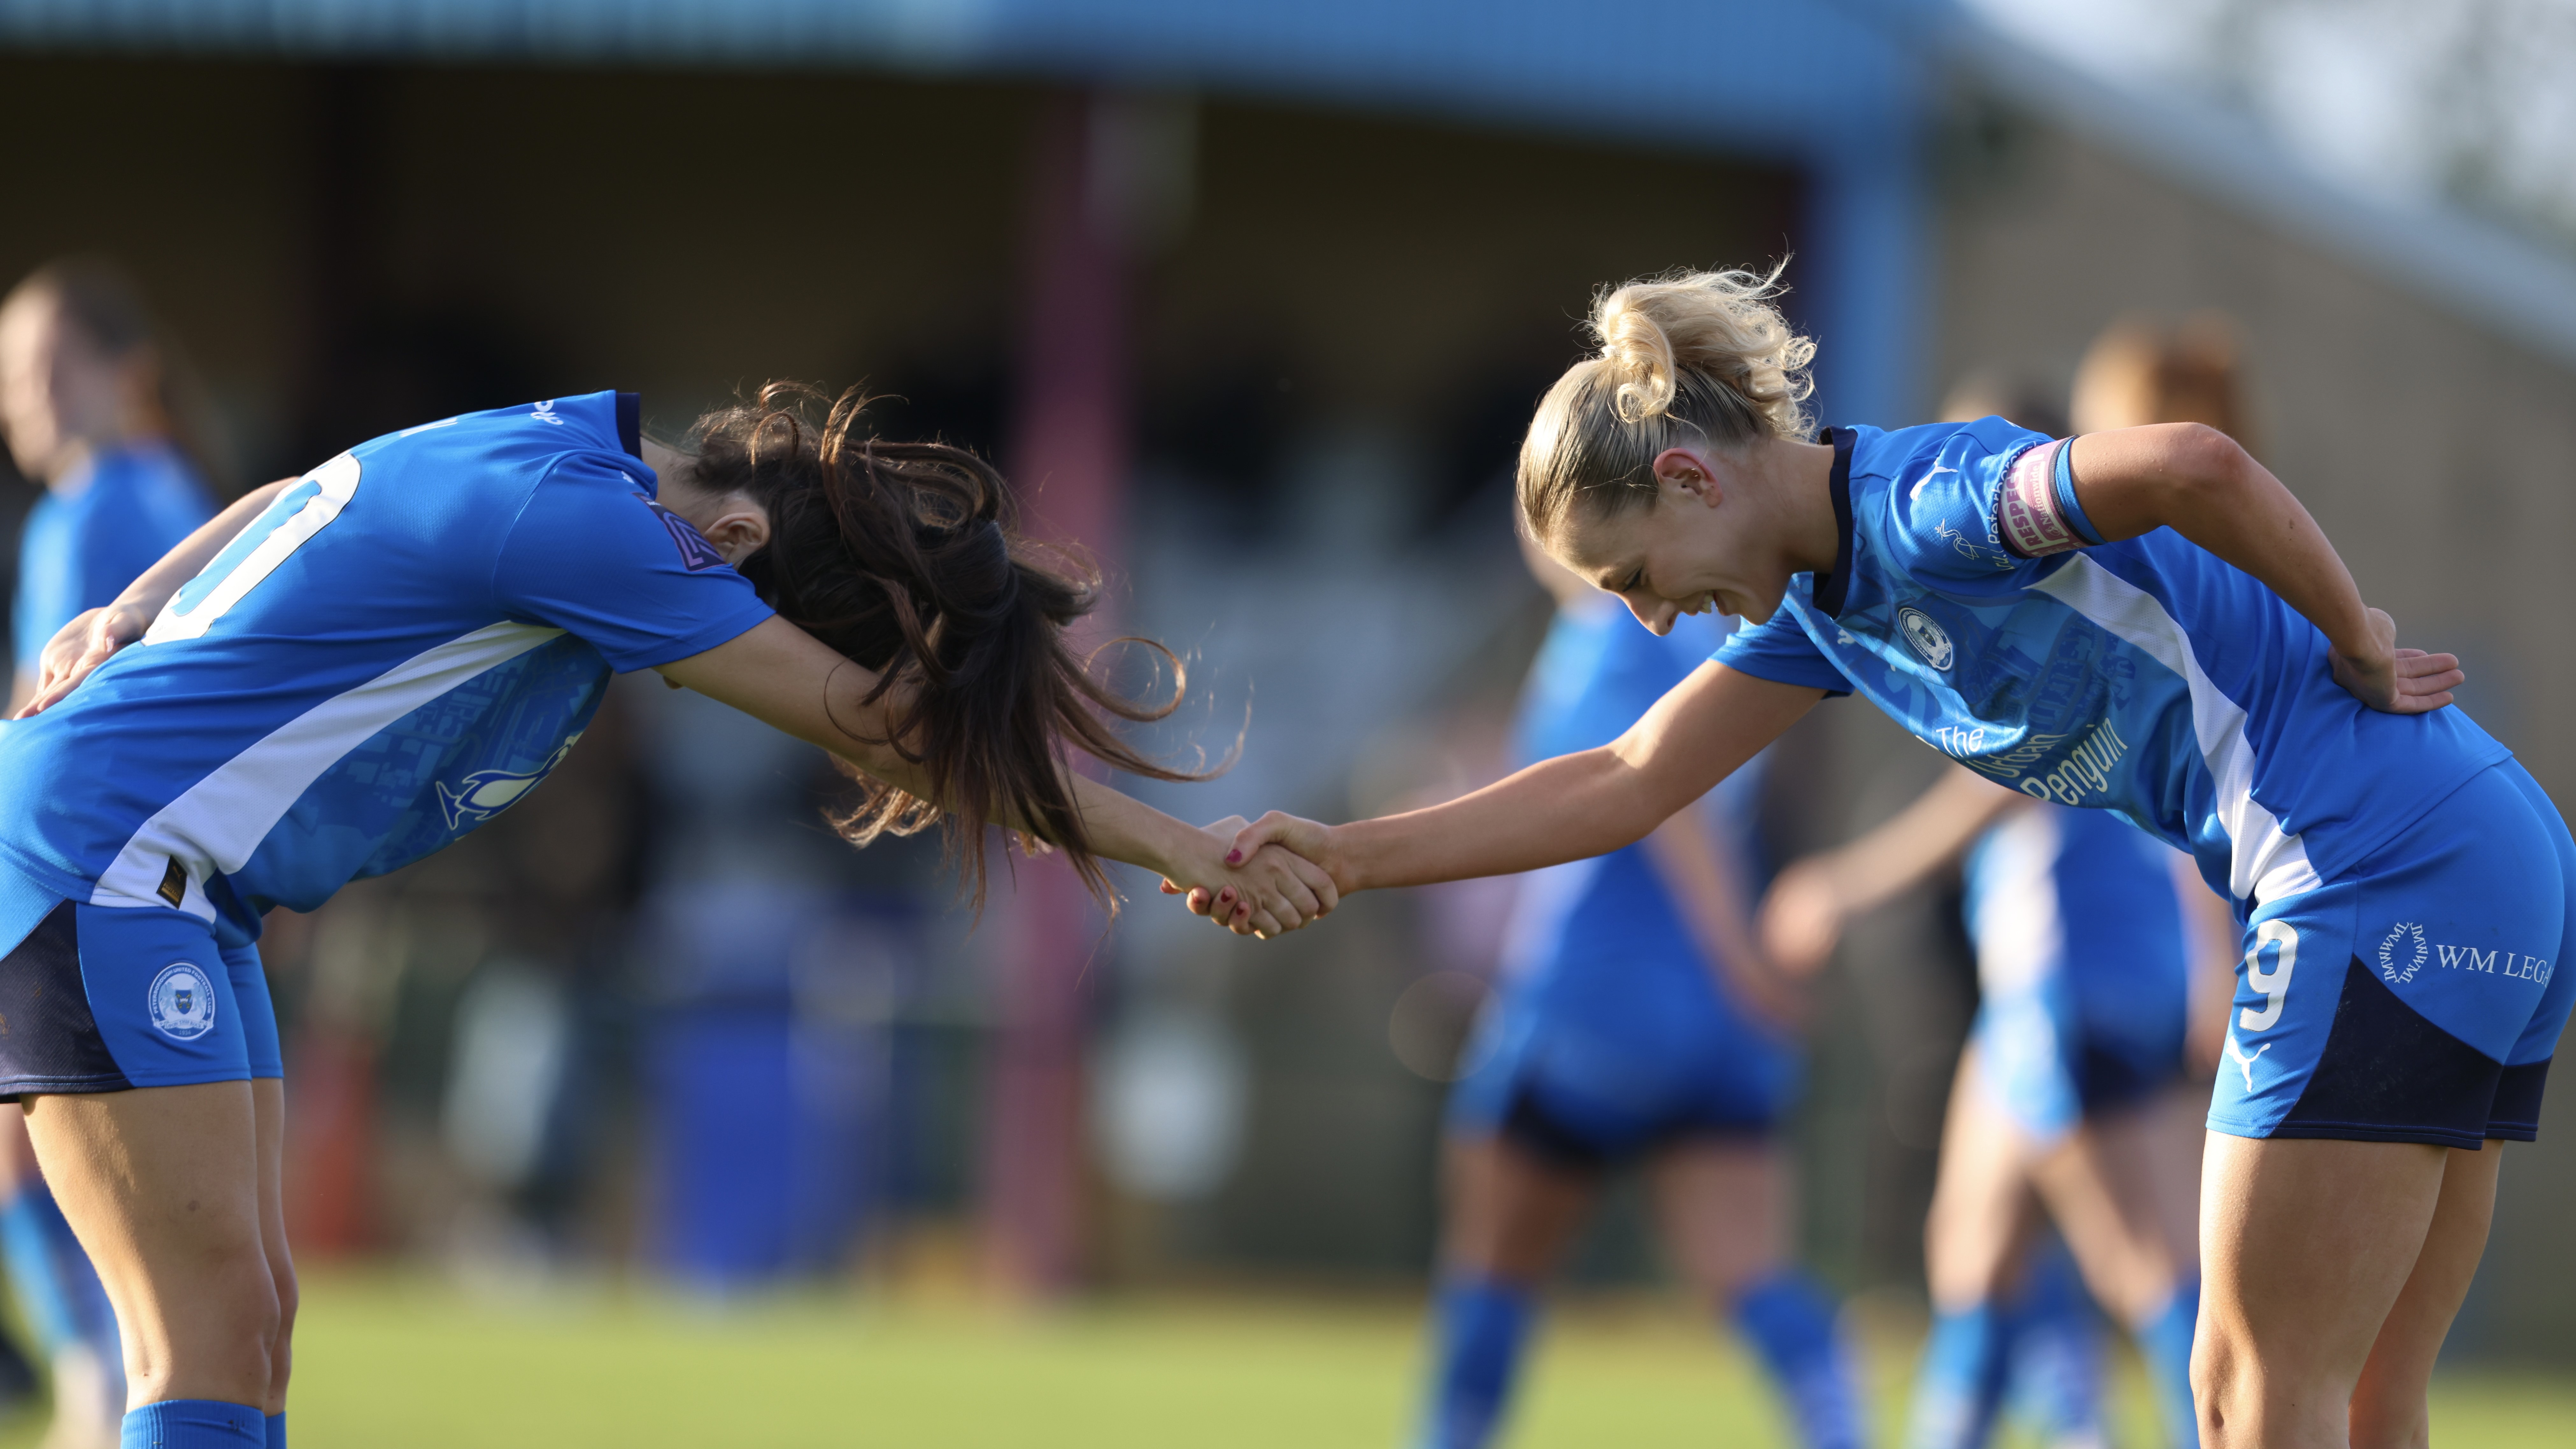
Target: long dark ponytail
903,557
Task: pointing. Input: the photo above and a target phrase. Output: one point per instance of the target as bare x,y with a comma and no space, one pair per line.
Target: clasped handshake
1271,875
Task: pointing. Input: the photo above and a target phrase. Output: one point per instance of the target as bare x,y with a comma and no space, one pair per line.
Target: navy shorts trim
49,1042
2388,1075
1529,1125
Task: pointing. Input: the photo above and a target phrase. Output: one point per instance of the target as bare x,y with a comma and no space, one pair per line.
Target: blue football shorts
1586,1095
2419,997
101,999
2042,1065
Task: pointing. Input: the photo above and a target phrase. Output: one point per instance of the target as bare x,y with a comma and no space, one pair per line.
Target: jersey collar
1834,587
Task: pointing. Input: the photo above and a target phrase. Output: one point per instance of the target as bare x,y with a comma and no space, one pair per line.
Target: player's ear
1687,470
740,531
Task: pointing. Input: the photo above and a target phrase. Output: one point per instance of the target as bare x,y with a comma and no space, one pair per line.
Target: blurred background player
97,406
2073,1080
2067,1086
1637,1019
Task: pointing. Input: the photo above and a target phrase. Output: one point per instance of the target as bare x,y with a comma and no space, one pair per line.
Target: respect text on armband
2087,770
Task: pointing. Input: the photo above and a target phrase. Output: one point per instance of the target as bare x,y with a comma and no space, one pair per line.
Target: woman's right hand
88,641
1265,893
1801,920
2393,680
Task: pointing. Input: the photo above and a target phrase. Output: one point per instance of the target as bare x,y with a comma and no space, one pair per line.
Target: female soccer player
90,398
2067,1084
344,672
2072,1081
2143,620
1637,1019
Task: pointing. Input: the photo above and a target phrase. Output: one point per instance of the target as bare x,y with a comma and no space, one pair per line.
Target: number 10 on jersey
283,527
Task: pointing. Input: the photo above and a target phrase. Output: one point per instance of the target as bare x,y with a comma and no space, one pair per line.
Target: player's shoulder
1889,455
1927,494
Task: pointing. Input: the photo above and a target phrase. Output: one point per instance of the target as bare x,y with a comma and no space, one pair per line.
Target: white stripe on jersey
2265,862
2020,932
214,827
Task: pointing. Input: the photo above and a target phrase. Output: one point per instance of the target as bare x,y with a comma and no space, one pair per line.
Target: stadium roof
1839,84
1786,79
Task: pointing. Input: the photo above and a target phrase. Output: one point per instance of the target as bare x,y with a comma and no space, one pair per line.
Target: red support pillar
1068,459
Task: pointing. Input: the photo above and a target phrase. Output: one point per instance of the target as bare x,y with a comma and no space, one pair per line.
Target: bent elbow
2202,459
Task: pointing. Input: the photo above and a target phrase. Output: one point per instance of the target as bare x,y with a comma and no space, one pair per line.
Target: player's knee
243,1319
282,1337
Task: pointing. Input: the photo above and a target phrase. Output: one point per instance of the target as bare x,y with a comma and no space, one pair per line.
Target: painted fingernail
1234,857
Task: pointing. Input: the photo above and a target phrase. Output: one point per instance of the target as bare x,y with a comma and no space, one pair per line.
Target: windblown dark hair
903,557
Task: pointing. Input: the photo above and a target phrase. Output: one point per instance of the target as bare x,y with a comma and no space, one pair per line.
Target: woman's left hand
1273,892
2393,680
88,641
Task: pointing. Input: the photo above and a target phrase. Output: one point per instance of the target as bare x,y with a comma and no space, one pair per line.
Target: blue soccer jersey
2145,676
399,647
1610,1028
89,538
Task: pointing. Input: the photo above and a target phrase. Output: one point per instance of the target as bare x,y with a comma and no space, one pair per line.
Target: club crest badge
181,1002
1924,637
2402,954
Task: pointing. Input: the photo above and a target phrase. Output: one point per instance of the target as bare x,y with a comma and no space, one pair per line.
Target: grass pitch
392,1362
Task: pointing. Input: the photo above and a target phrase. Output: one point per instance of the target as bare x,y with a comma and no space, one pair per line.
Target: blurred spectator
96,404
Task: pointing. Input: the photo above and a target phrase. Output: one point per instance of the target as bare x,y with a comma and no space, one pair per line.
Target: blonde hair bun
1699,356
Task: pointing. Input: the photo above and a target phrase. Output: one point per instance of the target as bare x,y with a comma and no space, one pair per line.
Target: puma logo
2244,1063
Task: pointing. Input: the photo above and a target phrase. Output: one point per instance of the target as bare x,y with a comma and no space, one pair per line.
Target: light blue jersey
2083,972
2403,884
1610,1031
93,534
2145,676
402,645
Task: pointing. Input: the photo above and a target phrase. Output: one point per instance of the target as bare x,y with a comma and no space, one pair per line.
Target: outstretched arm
90,638
2198,482
1563,809
785,677
1803,916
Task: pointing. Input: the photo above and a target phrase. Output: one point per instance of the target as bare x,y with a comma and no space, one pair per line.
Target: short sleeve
1779,650
1958,511
593,555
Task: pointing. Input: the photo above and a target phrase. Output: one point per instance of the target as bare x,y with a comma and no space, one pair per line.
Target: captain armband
2036,513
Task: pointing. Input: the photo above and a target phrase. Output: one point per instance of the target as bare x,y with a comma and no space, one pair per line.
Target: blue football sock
1961,1380
1481,1324
194,1424
277,1431
2053,1377
2164,1343
1790,1319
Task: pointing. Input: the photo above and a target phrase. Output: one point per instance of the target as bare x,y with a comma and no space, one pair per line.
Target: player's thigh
162,1186
2388,1407
2305,1245
1981,1197
1509,1211
2099,1186
1722,1205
